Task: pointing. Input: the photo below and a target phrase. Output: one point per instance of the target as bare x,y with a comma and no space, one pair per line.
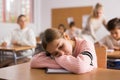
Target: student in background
22,36
76,55
62,28
95,21
73,31
112,41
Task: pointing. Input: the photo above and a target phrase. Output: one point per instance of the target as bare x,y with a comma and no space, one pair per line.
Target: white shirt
93,25
23,37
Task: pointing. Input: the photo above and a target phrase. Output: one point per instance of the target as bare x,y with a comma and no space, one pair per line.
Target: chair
101,56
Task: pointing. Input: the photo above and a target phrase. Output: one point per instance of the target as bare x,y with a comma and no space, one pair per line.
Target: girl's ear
65,36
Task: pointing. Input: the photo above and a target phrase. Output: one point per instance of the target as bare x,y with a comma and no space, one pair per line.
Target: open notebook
49,70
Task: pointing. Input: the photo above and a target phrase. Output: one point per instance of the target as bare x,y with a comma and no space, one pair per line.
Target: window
11,9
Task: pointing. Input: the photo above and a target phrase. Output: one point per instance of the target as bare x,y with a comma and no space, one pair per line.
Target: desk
14,49
115,54
23,72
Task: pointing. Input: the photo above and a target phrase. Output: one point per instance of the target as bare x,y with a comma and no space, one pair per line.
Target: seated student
76,55
22,36
112,41
61,28
73,31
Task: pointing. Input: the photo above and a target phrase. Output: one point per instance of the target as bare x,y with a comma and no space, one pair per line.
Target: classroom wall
42,15
111,9
6,28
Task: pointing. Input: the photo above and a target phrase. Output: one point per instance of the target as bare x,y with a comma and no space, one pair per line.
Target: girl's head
55,43
21,20
98,10
61,28
72,24
114,27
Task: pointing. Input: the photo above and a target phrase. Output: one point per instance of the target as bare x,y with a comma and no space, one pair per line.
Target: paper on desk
49,70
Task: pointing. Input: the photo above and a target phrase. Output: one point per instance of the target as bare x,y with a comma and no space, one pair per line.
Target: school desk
14,50
115,54
23,72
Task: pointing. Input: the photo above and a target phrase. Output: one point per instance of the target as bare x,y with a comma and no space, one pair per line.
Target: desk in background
114,54
23,72
14,50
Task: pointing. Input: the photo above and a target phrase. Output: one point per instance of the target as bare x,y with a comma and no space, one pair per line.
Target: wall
43,8
6,28
111,9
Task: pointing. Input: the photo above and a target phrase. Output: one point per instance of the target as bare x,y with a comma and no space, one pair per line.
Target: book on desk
59,71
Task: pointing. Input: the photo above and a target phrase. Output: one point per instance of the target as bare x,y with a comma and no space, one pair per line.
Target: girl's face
99,11
61,29
115,33
59,47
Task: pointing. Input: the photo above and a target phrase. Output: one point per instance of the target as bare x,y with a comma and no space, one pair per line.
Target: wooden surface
16,48
60,15
115,54
23,72
101,57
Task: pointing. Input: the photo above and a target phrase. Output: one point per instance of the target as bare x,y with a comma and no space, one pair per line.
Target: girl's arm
79,64
42,61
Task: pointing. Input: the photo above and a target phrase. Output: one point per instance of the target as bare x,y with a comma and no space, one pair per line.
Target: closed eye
61,47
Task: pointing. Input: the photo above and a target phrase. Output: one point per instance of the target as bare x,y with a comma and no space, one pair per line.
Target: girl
73,31
95,21
77,56
62,28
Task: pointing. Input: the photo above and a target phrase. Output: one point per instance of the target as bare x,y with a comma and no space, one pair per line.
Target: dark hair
71,24
113,23
20,17
49,35
61,25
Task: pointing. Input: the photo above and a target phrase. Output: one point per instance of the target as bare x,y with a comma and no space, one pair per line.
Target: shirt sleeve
92,32
79,64
42,61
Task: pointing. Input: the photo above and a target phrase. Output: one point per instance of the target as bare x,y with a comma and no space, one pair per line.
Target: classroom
59,40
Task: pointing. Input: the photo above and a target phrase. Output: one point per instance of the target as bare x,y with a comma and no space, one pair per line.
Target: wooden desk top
16,48
115,54
23,72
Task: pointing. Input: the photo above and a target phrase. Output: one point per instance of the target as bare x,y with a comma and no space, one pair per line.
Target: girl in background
95,21
62,28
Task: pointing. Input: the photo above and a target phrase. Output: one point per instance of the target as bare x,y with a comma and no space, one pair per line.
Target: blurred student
112,41
62,28
95,21
22,36
76,55
73,31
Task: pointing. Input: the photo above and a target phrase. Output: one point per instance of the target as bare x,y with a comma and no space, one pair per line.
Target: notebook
49,70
